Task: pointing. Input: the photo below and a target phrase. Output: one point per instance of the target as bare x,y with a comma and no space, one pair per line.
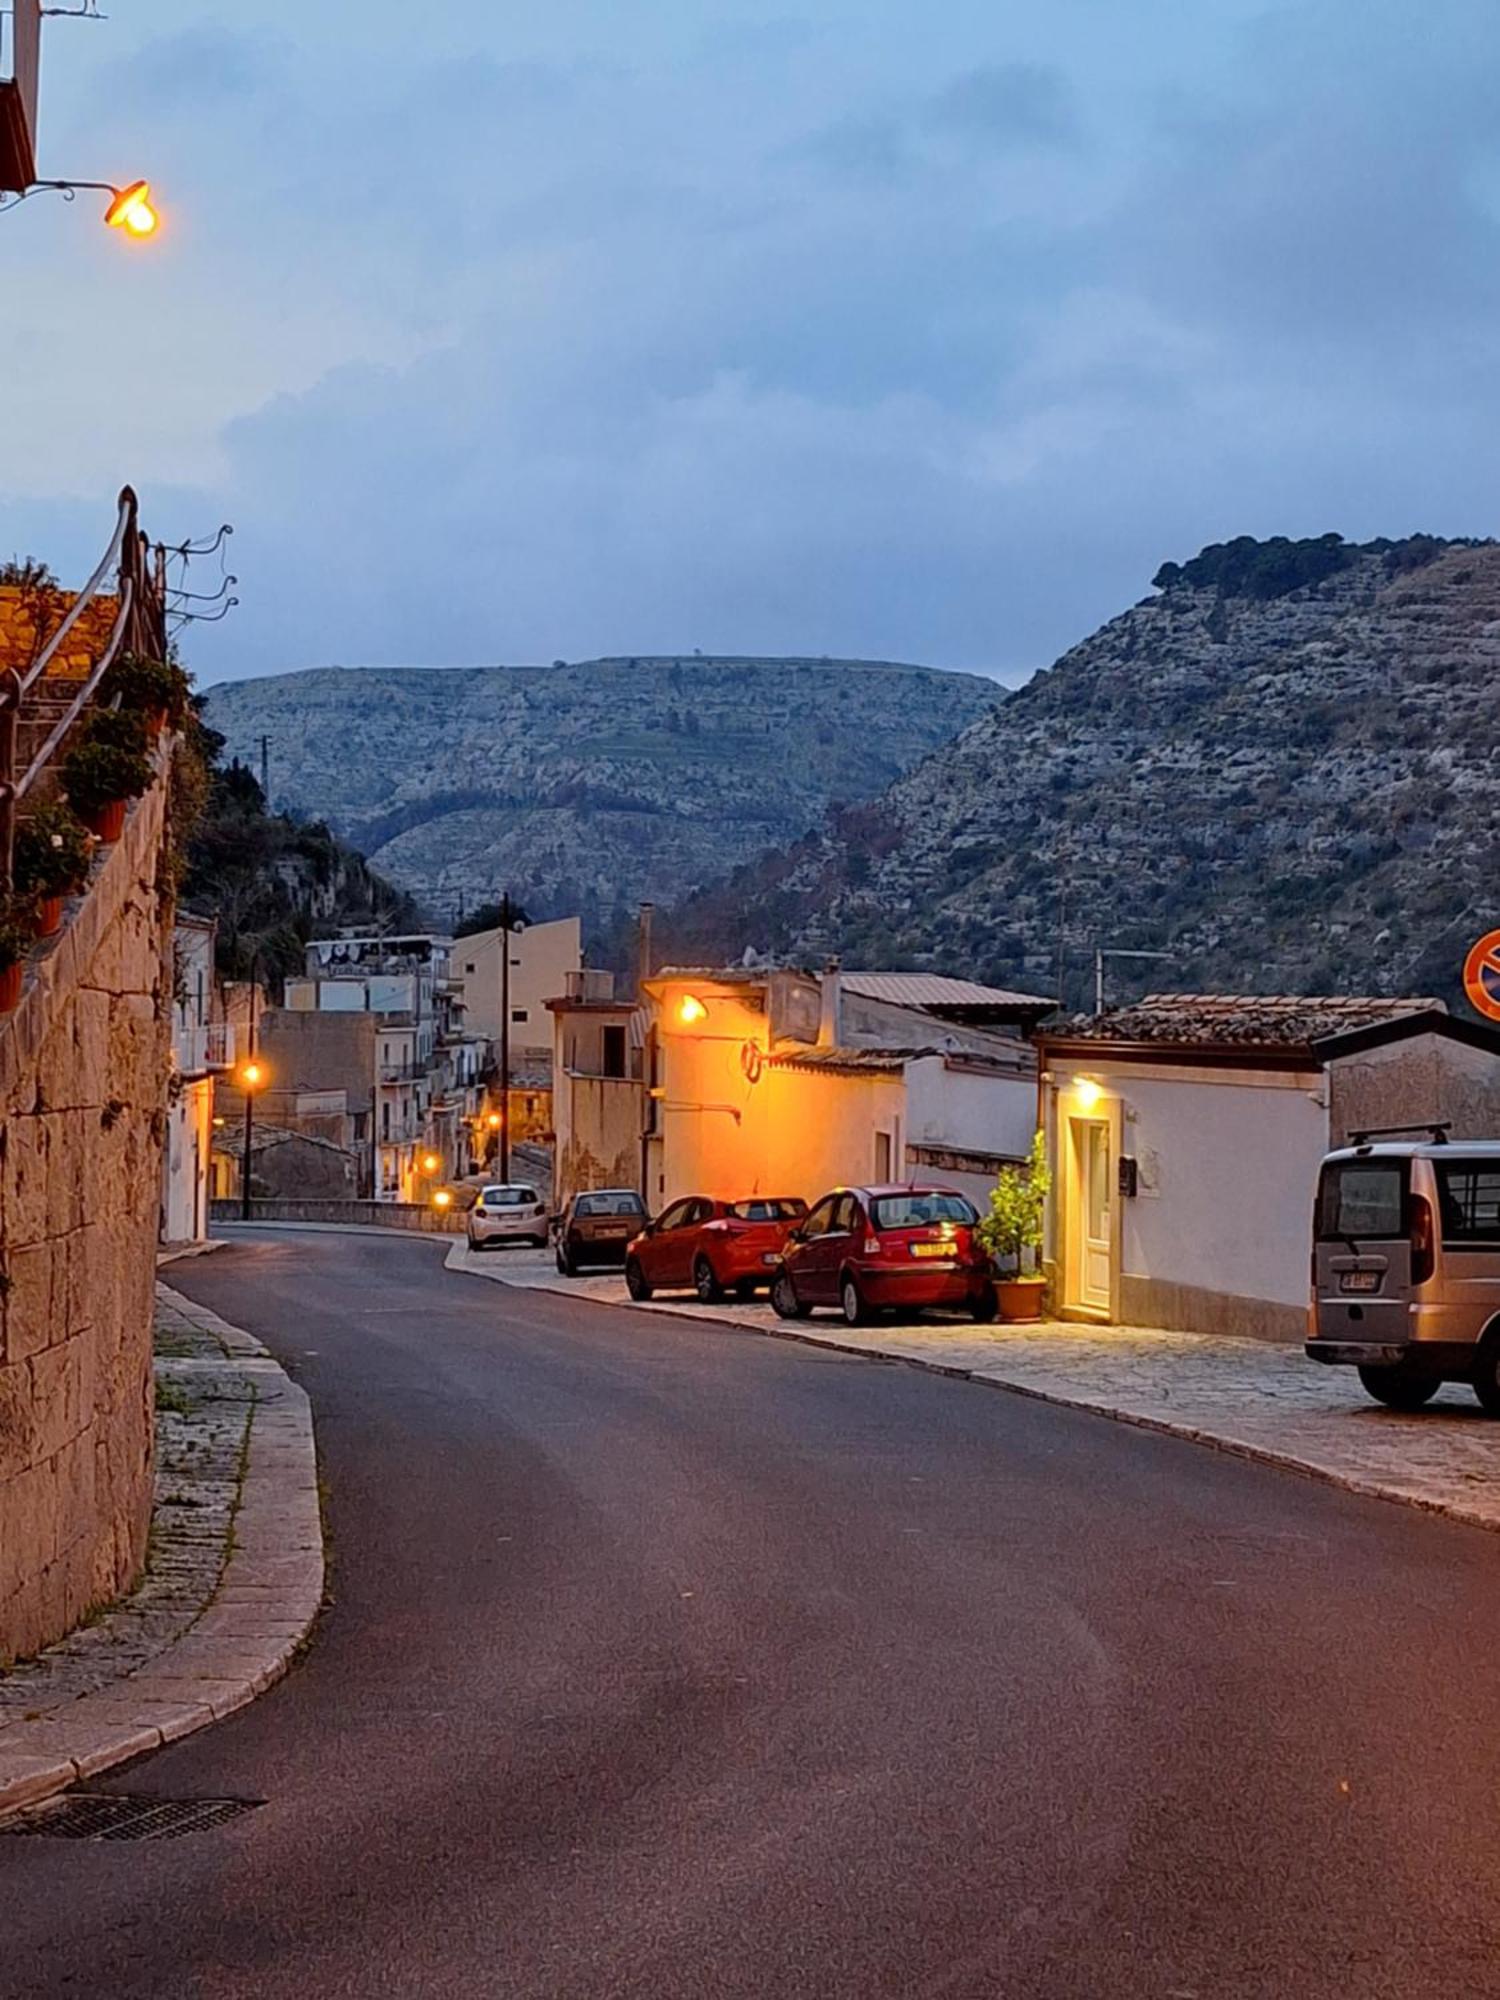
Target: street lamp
430,1163
252,1076
130,209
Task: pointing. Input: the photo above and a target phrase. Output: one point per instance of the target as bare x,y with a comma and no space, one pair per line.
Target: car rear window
915,1211
1469,1195
610,1204
1362,1199
768,1211
509,1197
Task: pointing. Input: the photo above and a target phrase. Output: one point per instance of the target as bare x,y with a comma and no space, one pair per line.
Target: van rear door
1362,1258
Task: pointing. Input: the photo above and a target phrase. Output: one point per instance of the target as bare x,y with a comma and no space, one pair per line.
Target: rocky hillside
1281,768
586,787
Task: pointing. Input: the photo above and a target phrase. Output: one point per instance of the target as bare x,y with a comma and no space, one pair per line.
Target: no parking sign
1482,976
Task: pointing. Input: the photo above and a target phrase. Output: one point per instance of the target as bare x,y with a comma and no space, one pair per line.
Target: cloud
570,341
1007,105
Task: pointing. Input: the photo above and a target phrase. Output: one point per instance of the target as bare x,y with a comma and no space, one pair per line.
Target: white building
201,1048
1185,1135
542,956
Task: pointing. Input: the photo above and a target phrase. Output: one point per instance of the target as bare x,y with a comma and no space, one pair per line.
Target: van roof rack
1439,1132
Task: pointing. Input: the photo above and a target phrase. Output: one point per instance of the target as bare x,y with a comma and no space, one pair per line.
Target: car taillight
1422,1249
873,1246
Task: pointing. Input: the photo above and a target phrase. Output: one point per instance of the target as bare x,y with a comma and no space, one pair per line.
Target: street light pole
507,913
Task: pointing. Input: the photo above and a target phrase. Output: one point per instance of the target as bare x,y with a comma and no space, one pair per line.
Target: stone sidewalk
1260,1400
233,1580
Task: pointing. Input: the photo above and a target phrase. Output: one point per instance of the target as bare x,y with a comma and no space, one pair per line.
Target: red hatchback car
868,1249
711,1246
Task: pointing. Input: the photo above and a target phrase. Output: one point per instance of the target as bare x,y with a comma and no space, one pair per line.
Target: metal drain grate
104,1816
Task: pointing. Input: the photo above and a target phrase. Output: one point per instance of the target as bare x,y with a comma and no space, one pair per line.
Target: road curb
1364,1486
266,1601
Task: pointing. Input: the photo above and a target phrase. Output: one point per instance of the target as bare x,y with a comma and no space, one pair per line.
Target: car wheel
852,1300
1402,1388
705,1284
635,1280
1486,1376
567,1263
784,1298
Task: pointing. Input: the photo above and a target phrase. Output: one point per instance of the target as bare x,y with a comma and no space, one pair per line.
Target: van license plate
1360,1281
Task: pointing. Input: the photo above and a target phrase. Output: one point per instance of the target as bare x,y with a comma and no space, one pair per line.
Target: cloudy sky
560,327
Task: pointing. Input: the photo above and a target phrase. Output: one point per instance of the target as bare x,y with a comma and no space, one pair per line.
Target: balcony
204,1048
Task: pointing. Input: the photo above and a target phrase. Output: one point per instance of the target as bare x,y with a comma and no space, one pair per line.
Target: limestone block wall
83,1068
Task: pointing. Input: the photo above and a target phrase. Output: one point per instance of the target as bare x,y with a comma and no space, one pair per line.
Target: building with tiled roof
1186,1132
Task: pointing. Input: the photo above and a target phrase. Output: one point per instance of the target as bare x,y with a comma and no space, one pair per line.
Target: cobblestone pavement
233,1580
1263,1400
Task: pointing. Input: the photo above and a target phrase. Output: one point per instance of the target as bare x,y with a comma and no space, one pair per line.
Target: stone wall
83,1067
28,618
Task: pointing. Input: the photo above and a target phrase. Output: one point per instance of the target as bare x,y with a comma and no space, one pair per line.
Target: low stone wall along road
668,1662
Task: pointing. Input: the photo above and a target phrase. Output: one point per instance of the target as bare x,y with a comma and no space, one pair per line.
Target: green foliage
269,880
148,687
1261,571
15,934
1018,1204
106,760
51,853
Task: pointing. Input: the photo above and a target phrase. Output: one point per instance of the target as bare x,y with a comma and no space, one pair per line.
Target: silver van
1406,1266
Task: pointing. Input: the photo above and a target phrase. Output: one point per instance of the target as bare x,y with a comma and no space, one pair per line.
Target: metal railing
205,1047
139,626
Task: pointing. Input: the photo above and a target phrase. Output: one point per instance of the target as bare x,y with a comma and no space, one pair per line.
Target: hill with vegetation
271,880
586,788
1279,769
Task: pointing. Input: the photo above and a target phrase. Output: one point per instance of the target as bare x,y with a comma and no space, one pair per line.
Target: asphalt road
673,1662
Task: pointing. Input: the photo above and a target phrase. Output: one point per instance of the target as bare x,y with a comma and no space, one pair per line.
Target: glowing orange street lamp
130,209
430,1163
442,1199
494,1121
252,1076
691,1010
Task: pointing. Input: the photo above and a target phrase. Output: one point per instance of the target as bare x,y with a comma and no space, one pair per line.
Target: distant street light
252,1076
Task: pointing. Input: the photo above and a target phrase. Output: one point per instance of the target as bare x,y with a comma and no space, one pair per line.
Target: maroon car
711,1246
866,1250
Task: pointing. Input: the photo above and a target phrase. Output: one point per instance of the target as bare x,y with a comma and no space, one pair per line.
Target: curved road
670,1663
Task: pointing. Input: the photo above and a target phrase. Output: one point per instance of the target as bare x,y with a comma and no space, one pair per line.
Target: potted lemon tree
105,768
1012,1233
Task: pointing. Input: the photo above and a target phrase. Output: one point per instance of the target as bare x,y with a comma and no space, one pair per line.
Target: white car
512,1213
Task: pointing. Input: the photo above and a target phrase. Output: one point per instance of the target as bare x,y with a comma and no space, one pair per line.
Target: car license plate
616,1229
1360,1281
932,1249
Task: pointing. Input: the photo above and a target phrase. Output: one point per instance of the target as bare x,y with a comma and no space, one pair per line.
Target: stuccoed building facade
1185,1135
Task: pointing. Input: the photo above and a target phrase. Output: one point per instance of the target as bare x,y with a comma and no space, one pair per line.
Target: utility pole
510,918
249,1076
1101,953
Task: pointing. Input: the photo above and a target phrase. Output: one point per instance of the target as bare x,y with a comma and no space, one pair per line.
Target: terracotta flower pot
106,822
10,987
47,921
1020,1298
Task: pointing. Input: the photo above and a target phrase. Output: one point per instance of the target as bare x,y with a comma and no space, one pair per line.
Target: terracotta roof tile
1239,1020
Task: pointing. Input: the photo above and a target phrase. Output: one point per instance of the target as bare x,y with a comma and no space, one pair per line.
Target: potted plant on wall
106,767
1012,1233
15,939
51,862
154,689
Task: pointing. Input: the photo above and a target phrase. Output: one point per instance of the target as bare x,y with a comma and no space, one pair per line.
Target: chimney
831,1019
648,912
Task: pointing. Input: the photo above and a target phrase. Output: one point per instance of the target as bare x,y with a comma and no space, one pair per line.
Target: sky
559,328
